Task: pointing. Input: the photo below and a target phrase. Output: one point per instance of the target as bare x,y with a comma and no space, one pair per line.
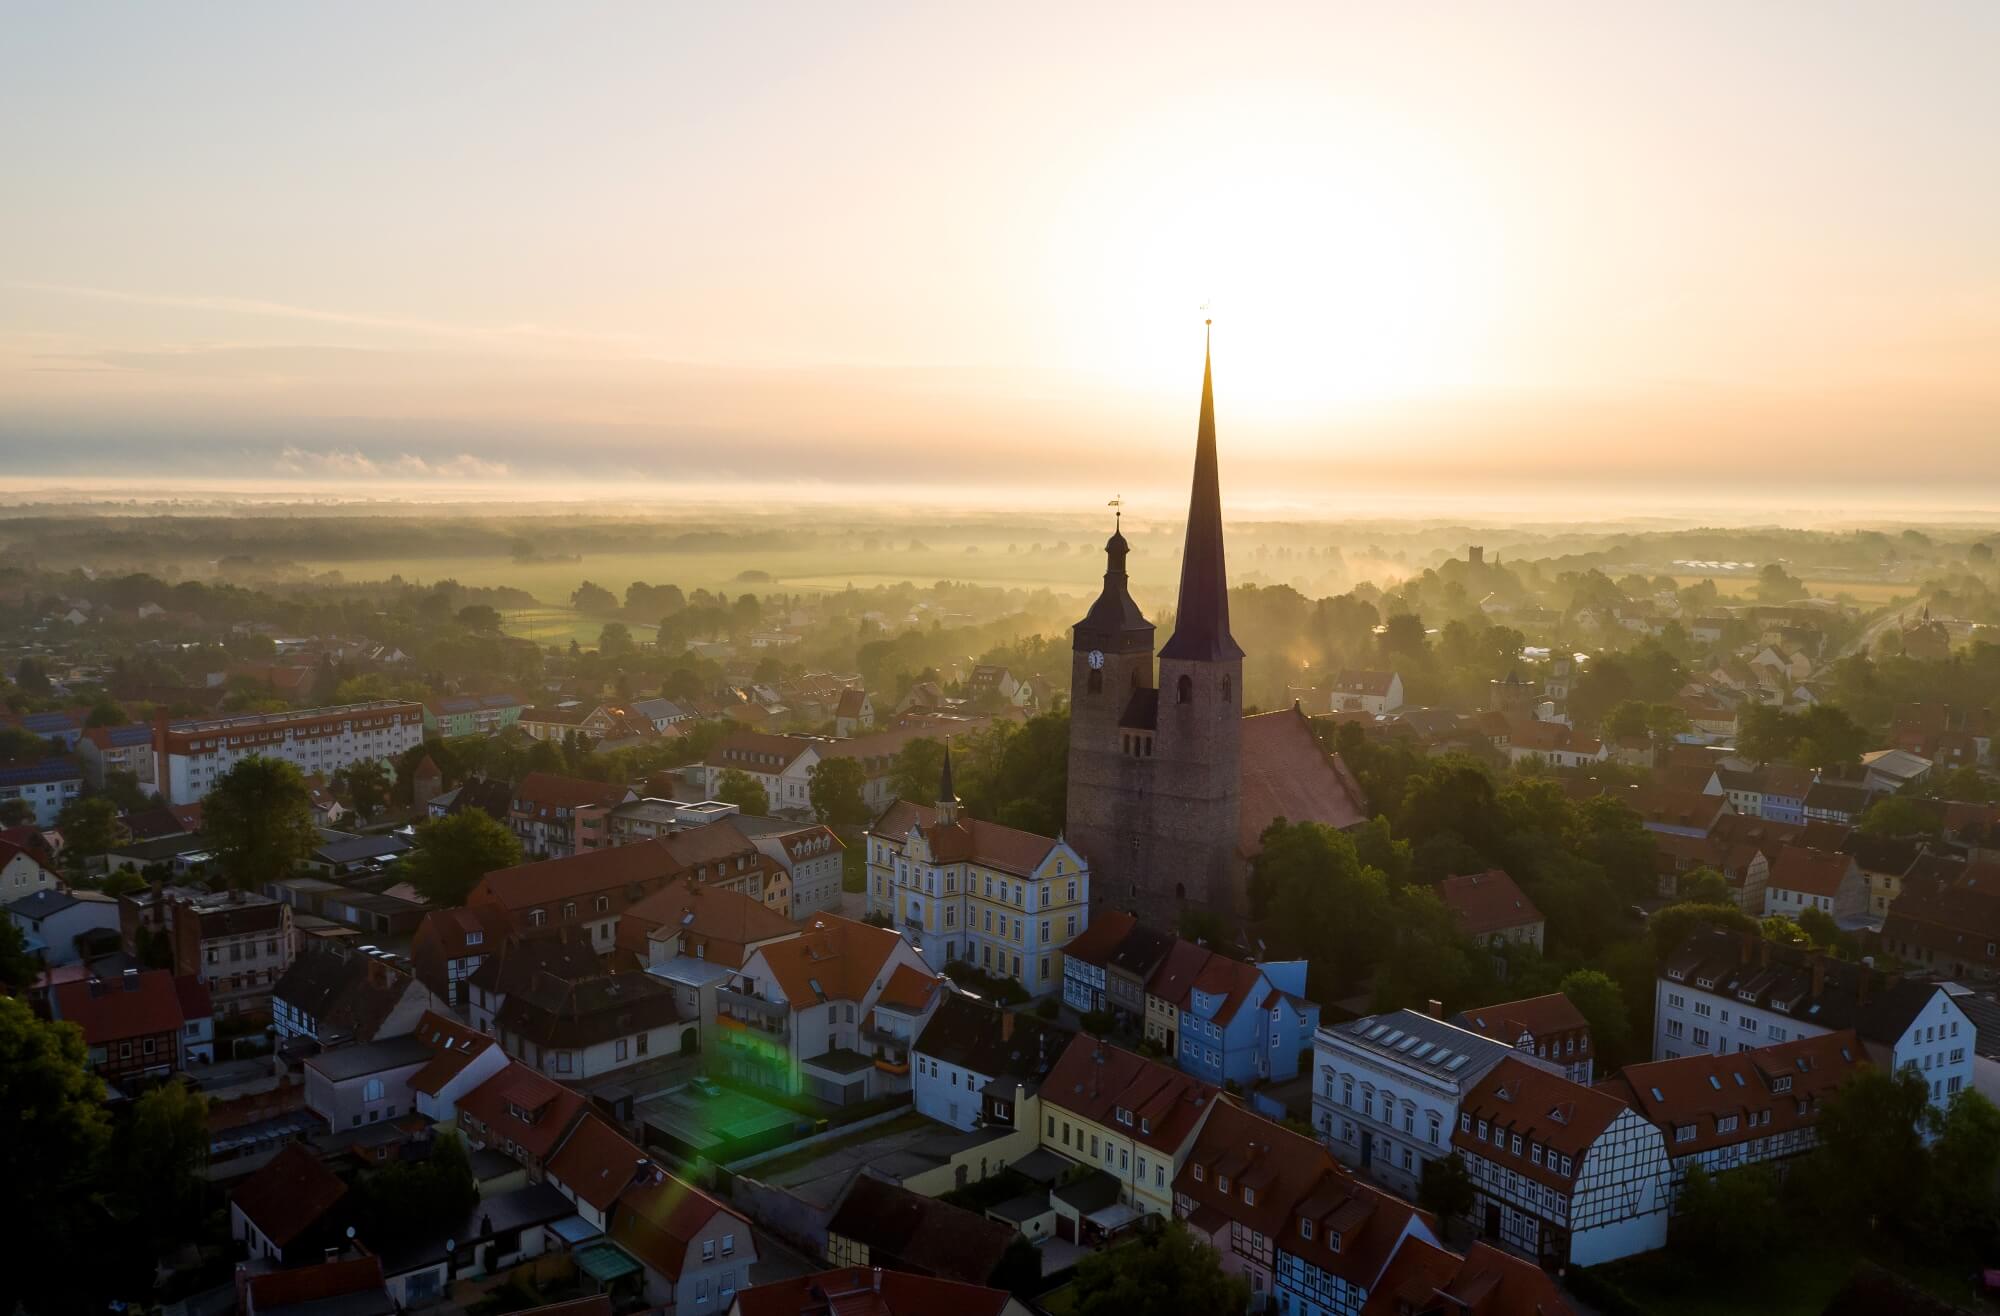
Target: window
1197,1174
1185,689
1249,1196
372,1090
1305,1229
708,1249
729,1245
618,1050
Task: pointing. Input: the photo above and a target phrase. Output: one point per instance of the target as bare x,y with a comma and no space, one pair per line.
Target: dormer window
1333,1240
1249,1195
1305,1229
1222,1182
1198,1176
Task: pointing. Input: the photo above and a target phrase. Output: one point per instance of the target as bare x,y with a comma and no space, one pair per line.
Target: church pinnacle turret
947,800
1201,621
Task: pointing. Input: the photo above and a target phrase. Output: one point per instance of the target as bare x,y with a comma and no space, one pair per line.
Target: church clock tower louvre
1155,769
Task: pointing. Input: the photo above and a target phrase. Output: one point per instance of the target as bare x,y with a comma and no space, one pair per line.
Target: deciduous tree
836,787
452,853
741,789
1167,1270
258,821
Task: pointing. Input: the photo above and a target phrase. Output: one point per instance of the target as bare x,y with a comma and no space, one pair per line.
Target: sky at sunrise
1480,248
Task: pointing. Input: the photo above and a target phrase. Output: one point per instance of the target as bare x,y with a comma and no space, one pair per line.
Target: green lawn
1799,1282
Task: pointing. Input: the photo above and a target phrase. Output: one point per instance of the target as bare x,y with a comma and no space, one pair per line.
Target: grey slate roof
1405,1037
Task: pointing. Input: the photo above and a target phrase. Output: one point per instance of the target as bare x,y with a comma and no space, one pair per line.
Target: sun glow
1343,262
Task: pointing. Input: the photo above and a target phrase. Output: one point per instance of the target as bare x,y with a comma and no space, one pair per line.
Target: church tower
1198,744
1154,770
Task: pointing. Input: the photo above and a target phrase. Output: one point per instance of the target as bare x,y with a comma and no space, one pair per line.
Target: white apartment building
192,755
1002,900
1387,1090
1724,992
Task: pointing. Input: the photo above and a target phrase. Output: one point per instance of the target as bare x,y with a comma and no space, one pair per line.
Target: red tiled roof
1815,872
711,914
453,1046
1483,1282
1165,1105
969,840
1785,1083
593,872
1285,774
1229,979
1546,1110
549,790
289,1194
656,1221
867,1291
596,1162
1363,683
908,989
1177,972
1241,1156
1535,1016
1487,902
844,956
141,1004
551,1104
1097,943
328,1279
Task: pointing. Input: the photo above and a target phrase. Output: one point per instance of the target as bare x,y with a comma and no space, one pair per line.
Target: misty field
793,570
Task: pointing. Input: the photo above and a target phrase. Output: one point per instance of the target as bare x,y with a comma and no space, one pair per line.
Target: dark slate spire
1201,623
947,800
1114,613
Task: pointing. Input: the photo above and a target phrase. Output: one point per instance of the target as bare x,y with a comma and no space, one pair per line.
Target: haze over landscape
1545,251
1053,659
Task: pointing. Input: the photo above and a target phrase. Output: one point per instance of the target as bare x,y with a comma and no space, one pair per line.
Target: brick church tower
1155,770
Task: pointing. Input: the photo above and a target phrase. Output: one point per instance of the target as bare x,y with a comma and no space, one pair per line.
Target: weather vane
1118,516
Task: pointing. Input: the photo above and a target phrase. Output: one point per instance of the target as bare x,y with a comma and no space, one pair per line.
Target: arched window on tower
1186,688
1096,682
1225,689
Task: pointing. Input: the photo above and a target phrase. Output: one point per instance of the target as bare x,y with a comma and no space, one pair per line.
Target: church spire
947,800
1201,623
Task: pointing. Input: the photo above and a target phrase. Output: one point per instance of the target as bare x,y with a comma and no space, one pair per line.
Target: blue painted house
1245,1022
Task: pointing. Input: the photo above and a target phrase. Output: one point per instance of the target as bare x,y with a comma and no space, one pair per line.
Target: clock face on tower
1097,658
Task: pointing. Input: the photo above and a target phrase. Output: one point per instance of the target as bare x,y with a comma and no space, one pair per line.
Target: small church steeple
947,800
1201,622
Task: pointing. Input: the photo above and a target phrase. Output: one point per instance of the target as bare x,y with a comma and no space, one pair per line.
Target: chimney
1434,1008
130,980
1006,1025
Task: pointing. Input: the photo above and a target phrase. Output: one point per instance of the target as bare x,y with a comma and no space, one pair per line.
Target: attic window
1249,1195
1222,1182
1333,1239
1145,1124
1305,1229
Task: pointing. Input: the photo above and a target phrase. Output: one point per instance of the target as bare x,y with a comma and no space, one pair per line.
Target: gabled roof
1535,1016
1815,872
1773,1090
1097,1081
453,1046
1286,774
289,1194
656,1221
543,791
1483,1282
1232,980
613,872
1352,682
710,913
545,1109
1487,902
1096,943
968,840
139,1003
1177,972
842,956
907,1231
1545,1109
1267,1178
965,1032
596,1162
